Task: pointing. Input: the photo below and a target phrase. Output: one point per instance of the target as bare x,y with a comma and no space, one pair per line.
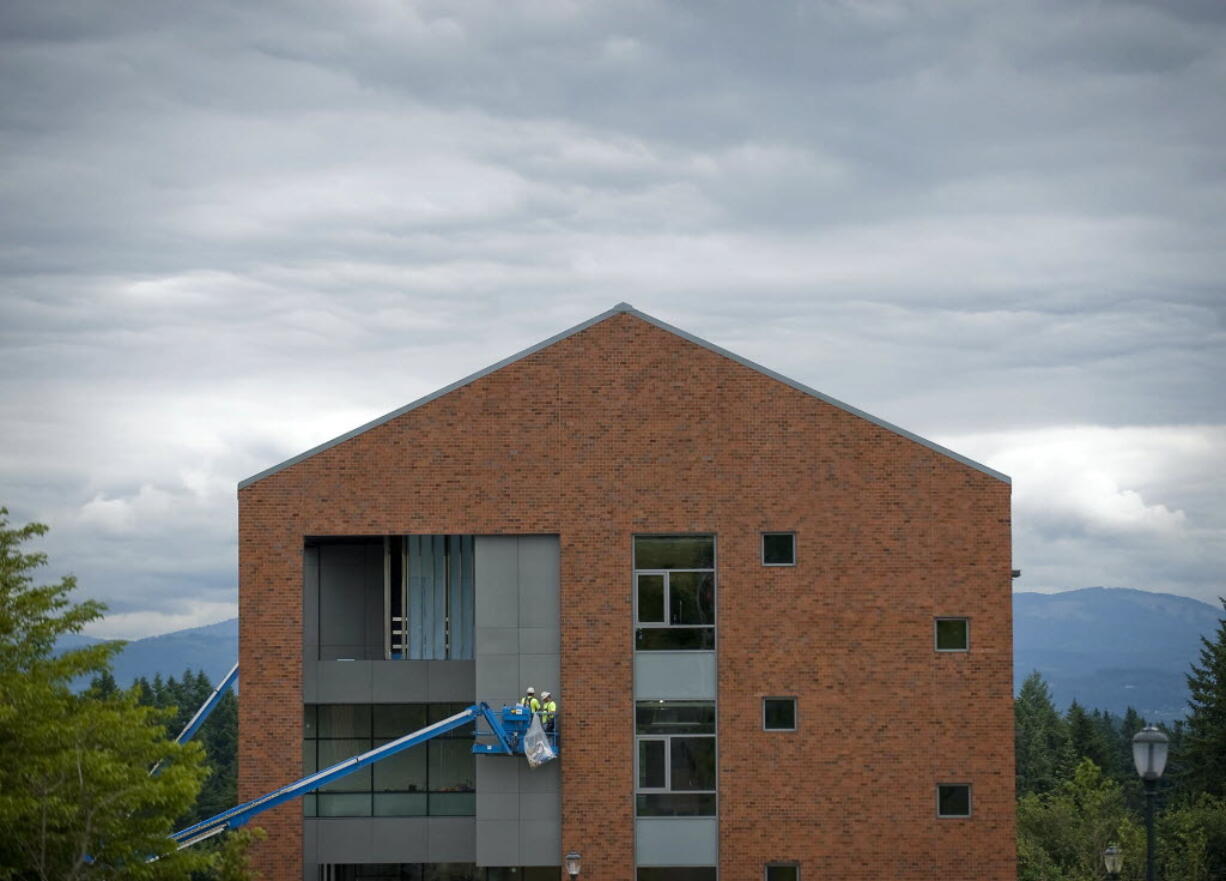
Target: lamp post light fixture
573,864
1149,755
1113,859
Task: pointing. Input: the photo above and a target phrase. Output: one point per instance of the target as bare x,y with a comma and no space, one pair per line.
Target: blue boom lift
509,729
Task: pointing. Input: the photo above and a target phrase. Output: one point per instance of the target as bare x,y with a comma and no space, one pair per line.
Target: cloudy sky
230,231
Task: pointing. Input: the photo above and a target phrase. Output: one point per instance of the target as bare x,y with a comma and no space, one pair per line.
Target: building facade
779,629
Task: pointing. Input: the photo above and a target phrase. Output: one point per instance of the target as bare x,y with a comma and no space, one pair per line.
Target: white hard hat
546,694
531,690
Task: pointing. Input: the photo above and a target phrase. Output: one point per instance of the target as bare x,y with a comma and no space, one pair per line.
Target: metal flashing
622,308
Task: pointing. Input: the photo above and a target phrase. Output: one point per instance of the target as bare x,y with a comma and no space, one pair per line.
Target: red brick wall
626,428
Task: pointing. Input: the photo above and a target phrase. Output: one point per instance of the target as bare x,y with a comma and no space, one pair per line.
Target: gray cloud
231,231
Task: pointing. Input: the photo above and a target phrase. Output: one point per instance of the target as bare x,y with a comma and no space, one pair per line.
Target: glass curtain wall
436,778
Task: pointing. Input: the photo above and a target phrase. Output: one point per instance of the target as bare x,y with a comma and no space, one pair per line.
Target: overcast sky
230,231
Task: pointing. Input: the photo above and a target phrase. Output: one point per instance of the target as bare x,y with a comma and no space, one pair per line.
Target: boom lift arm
508,734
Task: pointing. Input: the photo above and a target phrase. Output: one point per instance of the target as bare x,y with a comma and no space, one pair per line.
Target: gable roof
619,308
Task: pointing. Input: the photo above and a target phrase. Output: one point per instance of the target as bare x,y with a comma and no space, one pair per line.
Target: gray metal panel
498,805
452,681
676,841
542,840
498,843
342,601
342,839
310,850
619,308
310,603
452,840
539,575
541,671
374,572
310,682
498,679
674,675
497,590
540,806
401,682
540,640
368,839
399,840
546,778
498,640
455,600
343,682
497,775
517,644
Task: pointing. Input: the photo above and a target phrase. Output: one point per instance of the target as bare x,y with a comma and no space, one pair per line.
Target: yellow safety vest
531,703
550,710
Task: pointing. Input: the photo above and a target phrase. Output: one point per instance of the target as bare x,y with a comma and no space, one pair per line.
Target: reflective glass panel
779,549
674,639
403,772
669,804
452,765
952,634
674,552
651,764
674,717
782,873
692,763
453,804
347,805
400,804
343,720
396,720
779,713
651,598
691,598
333,751
954,800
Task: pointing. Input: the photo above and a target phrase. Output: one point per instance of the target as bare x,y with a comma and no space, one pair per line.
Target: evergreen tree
76,796
77,800
1042,748
1203,751
1086,740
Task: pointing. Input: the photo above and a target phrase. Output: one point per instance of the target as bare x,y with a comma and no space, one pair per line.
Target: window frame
970,801
762,554
780,864
795,713
667,739
936,633
635,574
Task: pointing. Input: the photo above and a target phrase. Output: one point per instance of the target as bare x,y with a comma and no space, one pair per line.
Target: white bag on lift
536,744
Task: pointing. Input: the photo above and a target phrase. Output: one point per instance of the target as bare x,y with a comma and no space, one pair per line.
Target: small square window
779,549
953,634
953,800
782,872
779,713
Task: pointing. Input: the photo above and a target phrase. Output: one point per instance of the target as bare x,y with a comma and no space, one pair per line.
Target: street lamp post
1113,860
1149,755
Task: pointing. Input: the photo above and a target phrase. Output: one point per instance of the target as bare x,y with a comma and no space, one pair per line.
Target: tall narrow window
676,758
674,594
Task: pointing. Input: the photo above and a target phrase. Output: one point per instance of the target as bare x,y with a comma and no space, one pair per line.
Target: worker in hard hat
549,710
529,700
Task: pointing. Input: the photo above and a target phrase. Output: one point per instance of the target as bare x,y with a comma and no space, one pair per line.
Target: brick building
779,629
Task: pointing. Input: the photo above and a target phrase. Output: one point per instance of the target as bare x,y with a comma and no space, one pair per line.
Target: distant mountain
212,648
1107,648
1111,648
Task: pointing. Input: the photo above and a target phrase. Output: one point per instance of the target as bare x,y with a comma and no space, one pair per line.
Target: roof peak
618,309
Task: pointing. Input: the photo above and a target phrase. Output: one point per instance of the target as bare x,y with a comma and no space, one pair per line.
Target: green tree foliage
218,735
1203,751
77,800
1042,745
1062,833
